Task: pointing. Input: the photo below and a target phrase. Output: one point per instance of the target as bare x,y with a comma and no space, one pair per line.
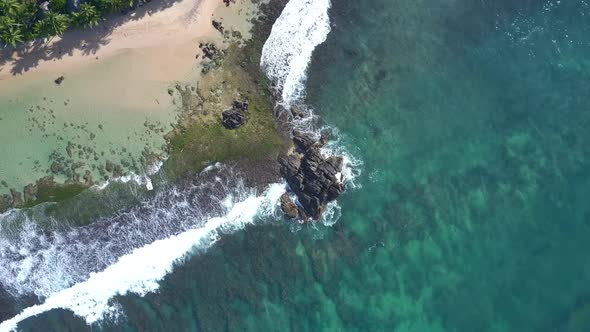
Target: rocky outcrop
289,208
236,116
314,178
5,202
209,50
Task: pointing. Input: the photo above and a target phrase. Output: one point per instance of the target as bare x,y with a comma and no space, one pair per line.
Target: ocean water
469,212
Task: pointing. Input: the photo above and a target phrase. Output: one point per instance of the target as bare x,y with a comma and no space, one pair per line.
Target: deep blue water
470,118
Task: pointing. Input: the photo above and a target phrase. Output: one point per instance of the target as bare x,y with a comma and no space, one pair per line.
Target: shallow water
470,118
101,114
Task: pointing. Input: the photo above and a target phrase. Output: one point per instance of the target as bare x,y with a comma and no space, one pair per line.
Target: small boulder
59,80
289,208
217,25
240,105
233,119
297,113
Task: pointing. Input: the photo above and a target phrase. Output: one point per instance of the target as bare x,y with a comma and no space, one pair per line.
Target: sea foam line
140,271
301,27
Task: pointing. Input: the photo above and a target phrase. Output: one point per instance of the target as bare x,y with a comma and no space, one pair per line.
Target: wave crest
302,26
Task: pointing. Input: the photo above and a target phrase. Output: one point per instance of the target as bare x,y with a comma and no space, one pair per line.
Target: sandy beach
116,84
161,33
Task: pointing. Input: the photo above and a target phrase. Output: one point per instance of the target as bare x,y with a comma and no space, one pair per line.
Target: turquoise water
471,120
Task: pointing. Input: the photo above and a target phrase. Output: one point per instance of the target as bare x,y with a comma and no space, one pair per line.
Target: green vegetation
24,20
203,143
53,192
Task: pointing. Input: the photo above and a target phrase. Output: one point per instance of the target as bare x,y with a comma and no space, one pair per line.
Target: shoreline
193,21
185,20
255,171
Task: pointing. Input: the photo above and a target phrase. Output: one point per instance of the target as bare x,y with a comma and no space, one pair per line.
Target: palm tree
88,16
111,5
8,7
11,35
54,24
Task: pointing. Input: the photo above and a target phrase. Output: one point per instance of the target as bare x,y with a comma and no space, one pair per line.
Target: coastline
253,174
196,199
185,20
189,91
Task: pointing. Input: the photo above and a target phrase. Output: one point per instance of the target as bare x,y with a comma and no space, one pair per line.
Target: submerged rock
17,200
297,113
5,202
240,105
315,179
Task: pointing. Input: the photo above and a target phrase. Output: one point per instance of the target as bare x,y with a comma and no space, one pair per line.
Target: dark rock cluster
312,177
236,116
213,56
209,50
217,25
227,2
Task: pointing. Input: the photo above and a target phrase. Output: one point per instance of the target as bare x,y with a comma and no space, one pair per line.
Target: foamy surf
142,246
286,55
302,26
140,271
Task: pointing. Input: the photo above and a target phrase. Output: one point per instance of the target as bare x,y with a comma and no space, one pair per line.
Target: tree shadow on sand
89,41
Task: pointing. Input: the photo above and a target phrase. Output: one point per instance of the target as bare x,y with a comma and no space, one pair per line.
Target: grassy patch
202,143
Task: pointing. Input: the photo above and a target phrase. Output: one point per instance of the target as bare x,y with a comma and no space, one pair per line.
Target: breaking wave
82,268
286,56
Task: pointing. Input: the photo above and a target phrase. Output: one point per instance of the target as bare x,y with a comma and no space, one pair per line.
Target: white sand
163,40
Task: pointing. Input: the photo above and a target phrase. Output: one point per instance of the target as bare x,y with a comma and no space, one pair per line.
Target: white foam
142,180
302,26
140,271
